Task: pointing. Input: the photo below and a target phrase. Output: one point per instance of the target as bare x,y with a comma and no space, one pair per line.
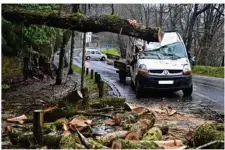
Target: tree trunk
83,55
71,53
66,64
27,65
191,26
127,144
59,75
222,63
108,138
79,22
83,61
140,128
190,30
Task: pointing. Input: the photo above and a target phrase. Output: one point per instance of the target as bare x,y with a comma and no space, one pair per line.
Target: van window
175,51
92,52
97,52
88,52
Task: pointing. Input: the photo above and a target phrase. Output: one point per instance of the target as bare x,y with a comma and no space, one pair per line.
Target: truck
162,65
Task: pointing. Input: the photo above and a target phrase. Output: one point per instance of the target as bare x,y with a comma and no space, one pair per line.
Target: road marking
218,88
205,97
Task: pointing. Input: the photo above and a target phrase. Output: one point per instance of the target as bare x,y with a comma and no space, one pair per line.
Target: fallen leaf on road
19,119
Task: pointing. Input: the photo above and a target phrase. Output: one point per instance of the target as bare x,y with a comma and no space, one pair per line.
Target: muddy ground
25,96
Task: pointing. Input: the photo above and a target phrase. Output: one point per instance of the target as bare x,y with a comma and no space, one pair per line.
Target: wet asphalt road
205,100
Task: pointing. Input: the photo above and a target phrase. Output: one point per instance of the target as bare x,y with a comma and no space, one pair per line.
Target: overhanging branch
79,22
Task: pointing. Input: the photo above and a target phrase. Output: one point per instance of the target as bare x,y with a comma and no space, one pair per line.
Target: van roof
170,37
91,49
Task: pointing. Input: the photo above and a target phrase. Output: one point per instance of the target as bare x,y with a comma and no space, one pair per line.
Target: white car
95,55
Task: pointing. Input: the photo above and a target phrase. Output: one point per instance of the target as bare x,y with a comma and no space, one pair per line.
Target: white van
95,55
164,65
161,66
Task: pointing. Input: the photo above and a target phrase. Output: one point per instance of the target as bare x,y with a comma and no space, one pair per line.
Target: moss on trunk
127,144
207,133
153,134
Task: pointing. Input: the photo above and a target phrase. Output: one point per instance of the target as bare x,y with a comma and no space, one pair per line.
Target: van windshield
171,51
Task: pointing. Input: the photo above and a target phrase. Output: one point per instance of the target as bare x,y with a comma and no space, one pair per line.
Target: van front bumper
152,82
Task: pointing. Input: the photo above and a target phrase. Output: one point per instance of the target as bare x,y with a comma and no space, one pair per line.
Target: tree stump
73,97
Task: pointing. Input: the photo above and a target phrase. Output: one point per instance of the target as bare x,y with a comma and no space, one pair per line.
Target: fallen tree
80,22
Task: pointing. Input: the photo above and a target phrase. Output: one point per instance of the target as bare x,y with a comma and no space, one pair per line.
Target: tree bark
61,56
79,22
83,55
66,64
140,128
130,144
83,61
108,138
71,53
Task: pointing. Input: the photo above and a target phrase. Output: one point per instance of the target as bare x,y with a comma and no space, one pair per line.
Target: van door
98,55
92,54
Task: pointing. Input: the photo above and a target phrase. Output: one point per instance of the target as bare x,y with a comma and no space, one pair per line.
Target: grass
90,83
112,51
209,71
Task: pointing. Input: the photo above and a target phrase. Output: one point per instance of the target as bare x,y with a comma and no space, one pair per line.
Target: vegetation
90,83
209,71
10,68
112,51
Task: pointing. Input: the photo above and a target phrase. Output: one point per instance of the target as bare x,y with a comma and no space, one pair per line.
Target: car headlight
186,70
142,69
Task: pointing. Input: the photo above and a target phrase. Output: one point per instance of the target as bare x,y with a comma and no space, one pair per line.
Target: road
205,100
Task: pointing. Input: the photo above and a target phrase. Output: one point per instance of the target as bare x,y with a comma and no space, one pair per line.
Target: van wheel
138,90
88,58
187,92
103,59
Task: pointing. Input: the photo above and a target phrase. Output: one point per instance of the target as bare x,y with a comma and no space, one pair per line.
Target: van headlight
142,69
187,70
